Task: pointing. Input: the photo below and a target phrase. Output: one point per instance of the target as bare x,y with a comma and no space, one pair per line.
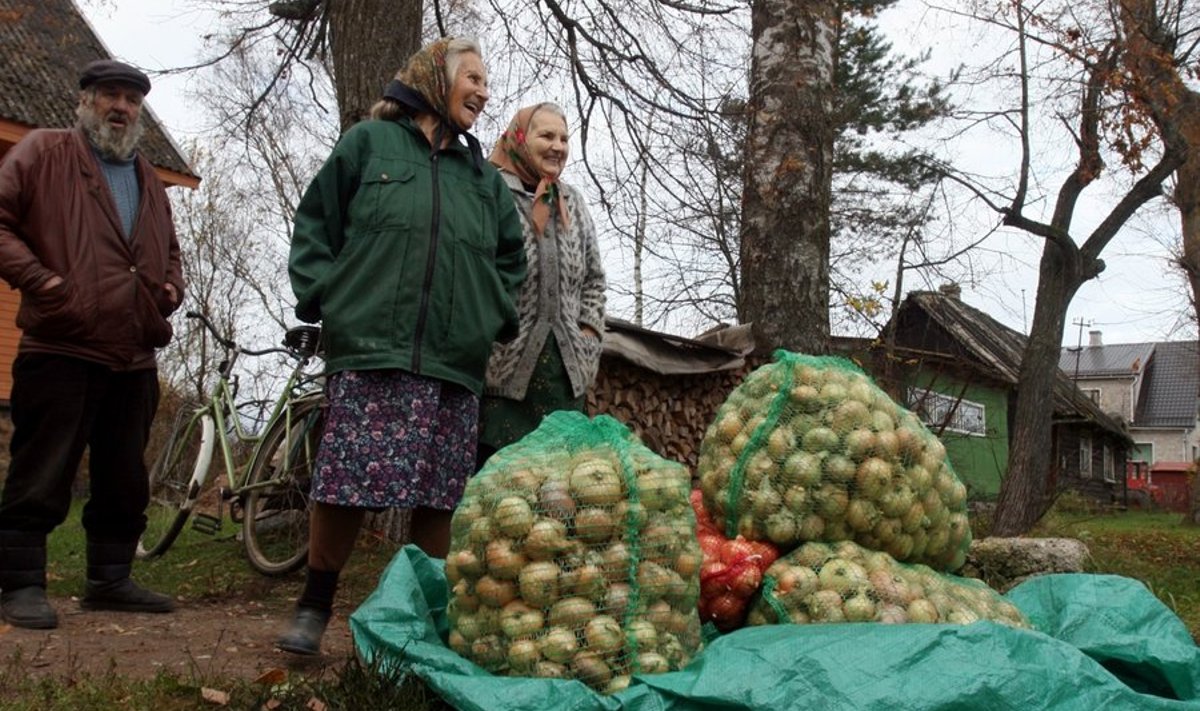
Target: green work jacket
410,259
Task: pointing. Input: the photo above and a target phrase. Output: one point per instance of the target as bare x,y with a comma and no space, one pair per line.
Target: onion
518,620
591,669
594,525
603,634
494,592
513,516
571,612
547,538
554,500
595,482
559,645
523,655
538,583
550,670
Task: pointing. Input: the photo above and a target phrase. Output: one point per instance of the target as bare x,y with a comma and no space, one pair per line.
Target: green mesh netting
808,448
574,555
844,582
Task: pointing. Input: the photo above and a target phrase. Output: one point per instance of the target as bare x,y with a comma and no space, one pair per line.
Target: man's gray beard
109,142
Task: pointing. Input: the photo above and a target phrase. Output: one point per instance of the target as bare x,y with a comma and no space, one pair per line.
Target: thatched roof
44,44
998,349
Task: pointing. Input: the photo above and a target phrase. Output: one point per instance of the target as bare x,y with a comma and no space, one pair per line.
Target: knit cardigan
563,292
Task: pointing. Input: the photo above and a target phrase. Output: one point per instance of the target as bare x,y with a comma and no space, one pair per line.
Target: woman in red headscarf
408,249
556,354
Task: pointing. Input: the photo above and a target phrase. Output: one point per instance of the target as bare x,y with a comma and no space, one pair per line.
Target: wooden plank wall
10,300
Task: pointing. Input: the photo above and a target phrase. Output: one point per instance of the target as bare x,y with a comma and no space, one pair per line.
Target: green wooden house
957,368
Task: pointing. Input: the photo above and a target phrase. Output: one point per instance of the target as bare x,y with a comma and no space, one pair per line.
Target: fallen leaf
272,704
315,704
272,677
5,628
214,696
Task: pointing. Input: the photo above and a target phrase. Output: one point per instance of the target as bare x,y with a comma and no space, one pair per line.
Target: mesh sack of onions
574,555
808,448
844,582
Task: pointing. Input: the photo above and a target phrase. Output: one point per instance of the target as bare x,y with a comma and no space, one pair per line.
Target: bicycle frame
214,416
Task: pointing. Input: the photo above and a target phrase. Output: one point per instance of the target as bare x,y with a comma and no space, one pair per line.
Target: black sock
319,587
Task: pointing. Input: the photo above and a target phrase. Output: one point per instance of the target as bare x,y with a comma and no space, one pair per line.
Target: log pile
669,413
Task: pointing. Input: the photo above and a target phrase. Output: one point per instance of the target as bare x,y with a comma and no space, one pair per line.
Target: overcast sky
1136,299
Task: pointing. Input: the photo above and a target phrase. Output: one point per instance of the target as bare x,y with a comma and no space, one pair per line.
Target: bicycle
268,495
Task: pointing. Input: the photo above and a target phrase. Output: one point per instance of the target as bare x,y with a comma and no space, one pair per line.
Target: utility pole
1079,346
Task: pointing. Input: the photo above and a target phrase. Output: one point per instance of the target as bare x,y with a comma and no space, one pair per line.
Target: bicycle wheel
170,484
276,506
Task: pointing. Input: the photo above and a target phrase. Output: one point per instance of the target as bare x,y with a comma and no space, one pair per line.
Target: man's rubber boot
23,600
109,586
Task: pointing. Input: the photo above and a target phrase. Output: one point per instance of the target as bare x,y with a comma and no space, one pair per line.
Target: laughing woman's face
547,143
469,94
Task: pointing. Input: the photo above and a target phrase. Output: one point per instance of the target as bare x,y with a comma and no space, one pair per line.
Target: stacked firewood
669,413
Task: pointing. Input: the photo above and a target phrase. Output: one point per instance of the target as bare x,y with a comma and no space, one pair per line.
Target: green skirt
503,421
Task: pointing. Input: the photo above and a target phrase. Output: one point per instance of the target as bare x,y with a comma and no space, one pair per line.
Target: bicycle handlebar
232,345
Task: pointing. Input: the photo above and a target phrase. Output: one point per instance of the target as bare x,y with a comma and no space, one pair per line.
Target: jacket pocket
156,329
386,195
56,314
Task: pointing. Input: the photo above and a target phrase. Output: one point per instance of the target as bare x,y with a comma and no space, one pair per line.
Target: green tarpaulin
1103,642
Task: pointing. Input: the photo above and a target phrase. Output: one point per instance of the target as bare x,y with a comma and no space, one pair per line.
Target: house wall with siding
1116,394
1071,470
979,460
1169,445
10,300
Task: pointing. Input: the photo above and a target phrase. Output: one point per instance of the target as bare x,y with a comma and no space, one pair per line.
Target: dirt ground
200,641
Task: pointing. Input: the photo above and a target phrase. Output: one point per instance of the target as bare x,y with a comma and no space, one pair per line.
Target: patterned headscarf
426,73
512,154
423,86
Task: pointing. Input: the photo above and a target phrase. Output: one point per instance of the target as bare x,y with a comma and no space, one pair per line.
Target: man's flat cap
112,70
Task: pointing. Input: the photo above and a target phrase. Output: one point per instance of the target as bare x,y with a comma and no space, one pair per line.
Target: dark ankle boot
23,600
108,585
304,634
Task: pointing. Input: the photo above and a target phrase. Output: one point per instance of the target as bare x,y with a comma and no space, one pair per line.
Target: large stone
1004,563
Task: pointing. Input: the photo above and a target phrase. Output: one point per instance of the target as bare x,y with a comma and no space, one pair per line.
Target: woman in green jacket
553,360
408,249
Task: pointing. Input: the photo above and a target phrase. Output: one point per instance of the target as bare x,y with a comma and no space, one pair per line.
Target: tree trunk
371,41
788,161
1173,105
1024,493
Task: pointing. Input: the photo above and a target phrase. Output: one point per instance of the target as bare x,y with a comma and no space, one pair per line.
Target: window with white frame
1092,393
936,410
1085,458
1109,474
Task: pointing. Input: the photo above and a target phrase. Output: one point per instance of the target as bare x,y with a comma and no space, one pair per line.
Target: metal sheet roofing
1105,361
1171,391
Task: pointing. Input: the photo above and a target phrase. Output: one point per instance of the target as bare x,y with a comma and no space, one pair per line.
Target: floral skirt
394,439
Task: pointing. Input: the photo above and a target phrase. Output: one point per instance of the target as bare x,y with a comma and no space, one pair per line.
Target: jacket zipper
427,285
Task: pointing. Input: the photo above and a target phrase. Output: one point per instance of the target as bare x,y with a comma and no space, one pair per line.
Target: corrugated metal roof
1001,350
1171,389
1105,361
44,45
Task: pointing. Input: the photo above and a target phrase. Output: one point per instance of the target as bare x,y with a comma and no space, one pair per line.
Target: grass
1153,548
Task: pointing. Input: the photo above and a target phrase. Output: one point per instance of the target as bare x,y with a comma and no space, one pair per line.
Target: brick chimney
1094,339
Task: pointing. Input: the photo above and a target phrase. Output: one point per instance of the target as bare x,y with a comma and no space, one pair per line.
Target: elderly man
86,235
